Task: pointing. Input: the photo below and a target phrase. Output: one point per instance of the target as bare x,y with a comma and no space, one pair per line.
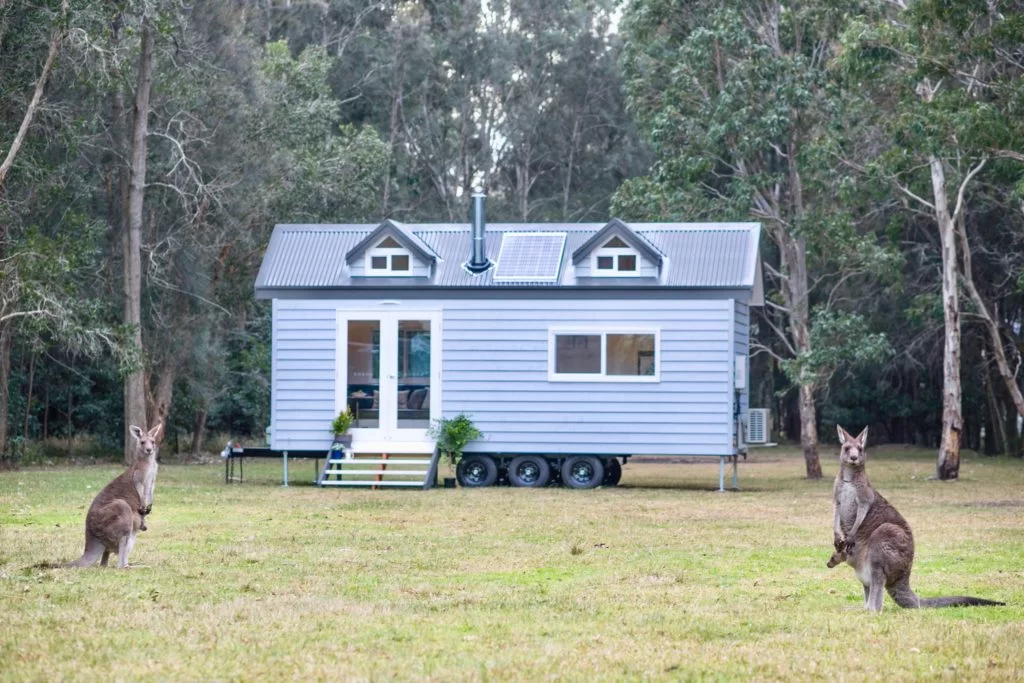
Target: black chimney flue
478,261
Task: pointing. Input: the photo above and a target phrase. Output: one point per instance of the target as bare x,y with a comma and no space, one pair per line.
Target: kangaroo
838,557
118,512
872,537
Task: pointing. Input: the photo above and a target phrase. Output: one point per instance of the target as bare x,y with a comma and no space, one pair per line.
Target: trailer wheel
582,472
612,472
475,471
529,470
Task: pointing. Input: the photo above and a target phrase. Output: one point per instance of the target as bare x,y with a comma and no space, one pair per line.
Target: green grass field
659,579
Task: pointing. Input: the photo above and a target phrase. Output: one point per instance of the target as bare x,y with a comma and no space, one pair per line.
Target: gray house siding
495,368
302,377
741,347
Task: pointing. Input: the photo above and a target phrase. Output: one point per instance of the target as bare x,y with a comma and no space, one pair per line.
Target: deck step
352,472
371,482
378,470
380,461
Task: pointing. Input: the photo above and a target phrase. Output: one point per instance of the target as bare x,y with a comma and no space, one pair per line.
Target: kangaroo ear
136,432
862,438
155,430
843,435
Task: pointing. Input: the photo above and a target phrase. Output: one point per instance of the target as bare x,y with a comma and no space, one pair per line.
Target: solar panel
529,257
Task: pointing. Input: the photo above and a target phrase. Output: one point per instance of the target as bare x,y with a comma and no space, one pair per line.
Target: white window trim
388,252
615,253
603,331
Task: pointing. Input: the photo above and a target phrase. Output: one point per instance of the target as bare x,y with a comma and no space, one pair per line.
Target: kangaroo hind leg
876,591
124,548
93,549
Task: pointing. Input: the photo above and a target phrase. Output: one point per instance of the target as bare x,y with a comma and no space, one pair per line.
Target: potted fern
340,425
452,435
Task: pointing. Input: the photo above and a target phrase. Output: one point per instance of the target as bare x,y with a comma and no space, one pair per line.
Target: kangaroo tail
93,551
902,594
905,597
957,601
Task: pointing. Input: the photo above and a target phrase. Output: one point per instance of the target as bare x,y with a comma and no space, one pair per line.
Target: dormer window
388,258
616,259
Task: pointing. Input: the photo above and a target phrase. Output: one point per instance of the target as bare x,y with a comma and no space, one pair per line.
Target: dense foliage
824,121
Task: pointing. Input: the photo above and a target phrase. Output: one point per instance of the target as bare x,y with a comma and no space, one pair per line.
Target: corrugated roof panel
697,255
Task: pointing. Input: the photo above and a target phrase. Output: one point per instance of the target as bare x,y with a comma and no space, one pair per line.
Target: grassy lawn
660,578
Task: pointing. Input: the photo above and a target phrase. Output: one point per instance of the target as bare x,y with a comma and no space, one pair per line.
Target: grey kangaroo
872,537
118,512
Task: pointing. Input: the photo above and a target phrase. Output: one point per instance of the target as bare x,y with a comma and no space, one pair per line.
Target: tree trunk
159,402
134,385
70,424
948,464
794,255
28,394
6,342
809,432
37,94
995,435
392,135
796,295
198,429
46,412
991,322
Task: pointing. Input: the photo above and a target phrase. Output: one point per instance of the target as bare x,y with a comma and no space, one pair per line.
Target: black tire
612,472
475,471
582,472
531,471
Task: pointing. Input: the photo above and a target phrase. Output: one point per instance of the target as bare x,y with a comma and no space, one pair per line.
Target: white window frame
388,253
615,253
603,331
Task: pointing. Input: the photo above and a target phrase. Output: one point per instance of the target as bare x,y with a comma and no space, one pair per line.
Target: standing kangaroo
873,538
118,512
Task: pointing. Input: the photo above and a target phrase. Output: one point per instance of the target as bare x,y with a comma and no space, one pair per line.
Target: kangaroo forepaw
848,545
145,510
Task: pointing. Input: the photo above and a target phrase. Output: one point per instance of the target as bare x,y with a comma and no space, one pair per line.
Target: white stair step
418,473
381,461
370,482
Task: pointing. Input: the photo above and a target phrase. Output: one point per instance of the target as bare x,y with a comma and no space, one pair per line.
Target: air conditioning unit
757,425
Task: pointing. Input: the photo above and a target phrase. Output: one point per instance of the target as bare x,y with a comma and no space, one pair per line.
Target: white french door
389,375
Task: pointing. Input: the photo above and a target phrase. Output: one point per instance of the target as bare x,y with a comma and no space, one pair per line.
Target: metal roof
696,256
618,228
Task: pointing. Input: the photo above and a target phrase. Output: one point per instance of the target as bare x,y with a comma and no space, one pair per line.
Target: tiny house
572,346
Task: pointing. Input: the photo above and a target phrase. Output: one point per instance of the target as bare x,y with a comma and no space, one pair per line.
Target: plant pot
449,482
343,439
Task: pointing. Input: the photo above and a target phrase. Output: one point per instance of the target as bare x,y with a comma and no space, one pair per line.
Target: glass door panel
412,386
364,377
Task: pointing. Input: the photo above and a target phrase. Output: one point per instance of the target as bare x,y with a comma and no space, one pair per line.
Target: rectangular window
400,262
627,262
379,263
605,262
578,354
604,355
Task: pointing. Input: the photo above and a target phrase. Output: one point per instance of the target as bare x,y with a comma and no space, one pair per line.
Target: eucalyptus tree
943,88
47,239
736,101
566,141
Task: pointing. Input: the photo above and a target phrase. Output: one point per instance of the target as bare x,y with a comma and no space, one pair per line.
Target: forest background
147,148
